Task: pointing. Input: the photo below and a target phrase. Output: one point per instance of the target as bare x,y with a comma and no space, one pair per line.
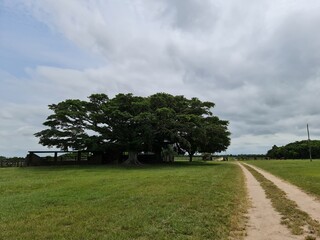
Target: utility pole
310,156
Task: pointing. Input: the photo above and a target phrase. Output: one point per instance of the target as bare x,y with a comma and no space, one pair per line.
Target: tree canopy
134,124
296,150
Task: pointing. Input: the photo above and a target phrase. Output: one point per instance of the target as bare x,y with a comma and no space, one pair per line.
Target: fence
12,162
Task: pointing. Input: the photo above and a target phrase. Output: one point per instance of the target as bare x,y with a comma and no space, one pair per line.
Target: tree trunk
190,157
159,158
132,159
78,157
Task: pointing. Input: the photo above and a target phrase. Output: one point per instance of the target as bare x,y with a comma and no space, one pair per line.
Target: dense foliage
295,150
135,124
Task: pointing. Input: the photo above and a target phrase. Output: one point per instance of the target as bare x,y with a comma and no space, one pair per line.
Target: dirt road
305,202
264,221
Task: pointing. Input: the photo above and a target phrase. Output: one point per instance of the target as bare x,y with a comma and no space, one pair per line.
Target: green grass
298,221
180,201
302,173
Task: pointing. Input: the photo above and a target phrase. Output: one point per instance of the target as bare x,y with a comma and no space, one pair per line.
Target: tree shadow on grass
104,167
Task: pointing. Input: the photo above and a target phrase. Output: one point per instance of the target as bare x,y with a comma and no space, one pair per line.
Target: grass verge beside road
302,173
179,201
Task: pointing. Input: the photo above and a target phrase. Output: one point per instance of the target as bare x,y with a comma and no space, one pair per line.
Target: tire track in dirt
264,221
305,202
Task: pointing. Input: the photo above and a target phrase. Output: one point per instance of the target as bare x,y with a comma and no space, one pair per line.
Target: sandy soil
264,221
305,202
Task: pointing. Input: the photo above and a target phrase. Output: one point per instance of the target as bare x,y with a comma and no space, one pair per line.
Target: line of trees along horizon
296,150
127,123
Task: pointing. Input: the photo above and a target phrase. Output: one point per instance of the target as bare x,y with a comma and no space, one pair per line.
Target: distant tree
66,127
217,136
273,152
133,124
129,121
188,124
295,150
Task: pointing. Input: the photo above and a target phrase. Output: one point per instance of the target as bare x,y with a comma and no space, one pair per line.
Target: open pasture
302,173
178,201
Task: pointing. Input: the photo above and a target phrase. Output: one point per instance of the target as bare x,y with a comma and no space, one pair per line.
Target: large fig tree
134,124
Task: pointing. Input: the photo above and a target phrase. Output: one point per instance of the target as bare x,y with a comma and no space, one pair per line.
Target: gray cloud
190,15
257,60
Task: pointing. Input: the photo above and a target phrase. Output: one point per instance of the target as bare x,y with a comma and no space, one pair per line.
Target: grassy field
302,173
180,201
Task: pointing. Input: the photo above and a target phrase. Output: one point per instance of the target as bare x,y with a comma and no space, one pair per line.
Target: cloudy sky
258,61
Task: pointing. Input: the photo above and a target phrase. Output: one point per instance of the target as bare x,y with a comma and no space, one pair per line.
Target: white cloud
18,124
257,60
